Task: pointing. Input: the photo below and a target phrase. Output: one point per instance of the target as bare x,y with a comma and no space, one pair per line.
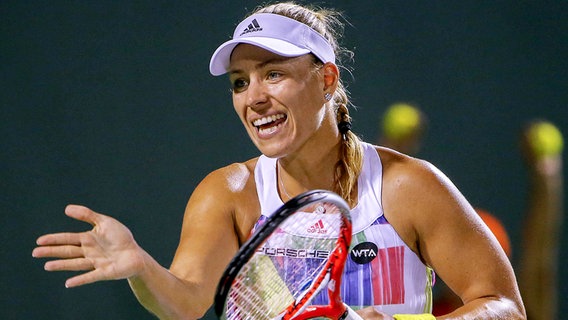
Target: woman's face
279,100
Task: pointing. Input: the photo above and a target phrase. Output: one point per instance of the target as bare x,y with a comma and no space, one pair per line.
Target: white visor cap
276,33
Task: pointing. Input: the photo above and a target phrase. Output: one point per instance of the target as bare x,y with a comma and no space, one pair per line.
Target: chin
272,154
271,151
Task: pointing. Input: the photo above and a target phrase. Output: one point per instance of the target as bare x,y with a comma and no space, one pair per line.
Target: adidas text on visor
276,33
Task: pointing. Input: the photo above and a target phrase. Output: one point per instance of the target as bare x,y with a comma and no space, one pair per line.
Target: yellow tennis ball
400,121
545,139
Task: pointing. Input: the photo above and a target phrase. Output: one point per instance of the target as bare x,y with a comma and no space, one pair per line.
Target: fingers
66,238
83,214
79,264
91,276
69,248
63,251
82,279
76,212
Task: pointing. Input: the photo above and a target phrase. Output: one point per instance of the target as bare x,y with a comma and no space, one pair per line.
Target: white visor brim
278,34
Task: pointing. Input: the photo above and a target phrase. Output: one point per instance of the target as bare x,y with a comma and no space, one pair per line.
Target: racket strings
258,291
248,305
284,268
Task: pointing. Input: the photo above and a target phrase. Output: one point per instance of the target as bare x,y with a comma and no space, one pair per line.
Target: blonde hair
327,23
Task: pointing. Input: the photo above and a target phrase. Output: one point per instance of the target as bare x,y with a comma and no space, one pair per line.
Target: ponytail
348,167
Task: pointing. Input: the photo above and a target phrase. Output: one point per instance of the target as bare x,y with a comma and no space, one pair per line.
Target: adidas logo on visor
278,34
252,27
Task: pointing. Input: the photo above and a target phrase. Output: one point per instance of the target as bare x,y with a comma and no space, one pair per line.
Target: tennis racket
291,267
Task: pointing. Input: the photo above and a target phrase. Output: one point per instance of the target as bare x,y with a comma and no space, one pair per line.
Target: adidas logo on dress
318,227
252,27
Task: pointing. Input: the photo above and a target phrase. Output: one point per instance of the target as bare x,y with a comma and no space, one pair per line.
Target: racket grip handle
350,314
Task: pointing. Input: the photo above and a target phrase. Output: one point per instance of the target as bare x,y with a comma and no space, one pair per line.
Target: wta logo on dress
364,252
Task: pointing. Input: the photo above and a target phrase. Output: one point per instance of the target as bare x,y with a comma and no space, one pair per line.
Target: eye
238,85
273,75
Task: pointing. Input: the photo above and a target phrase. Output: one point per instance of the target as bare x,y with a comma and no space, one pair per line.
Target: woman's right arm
108,251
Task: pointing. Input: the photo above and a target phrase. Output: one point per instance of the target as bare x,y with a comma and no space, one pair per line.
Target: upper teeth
265,120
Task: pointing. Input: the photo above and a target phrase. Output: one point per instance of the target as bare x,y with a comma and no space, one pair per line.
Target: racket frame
333,269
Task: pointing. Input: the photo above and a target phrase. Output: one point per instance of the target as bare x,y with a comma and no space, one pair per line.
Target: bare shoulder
401,171
230,181
408,182
231,191
418,199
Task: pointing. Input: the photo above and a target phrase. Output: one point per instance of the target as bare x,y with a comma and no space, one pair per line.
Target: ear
330,77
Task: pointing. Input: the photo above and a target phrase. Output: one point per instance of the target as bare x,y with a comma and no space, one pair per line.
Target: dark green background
110,104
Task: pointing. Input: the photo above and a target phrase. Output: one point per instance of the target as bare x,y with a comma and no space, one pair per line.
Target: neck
307,171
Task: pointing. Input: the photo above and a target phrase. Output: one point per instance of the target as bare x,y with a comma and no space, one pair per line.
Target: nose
257,96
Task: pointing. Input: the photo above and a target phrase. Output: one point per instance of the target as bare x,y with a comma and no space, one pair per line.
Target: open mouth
269,124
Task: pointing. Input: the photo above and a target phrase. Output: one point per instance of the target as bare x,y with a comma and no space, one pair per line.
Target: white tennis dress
381,271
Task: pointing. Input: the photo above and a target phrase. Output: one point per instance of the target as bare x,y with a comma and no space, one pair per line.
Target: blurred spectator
541,145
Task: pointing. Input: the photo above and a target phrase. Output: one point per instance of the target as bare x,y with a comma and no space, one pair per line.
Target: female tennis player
409,220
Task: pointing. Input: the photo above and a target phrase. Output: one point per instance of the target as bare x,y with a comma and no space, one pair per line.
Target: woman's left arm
438,223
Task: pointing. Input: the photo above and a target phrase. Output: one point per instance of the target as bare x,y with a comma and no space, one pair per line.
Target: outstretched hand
106,252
